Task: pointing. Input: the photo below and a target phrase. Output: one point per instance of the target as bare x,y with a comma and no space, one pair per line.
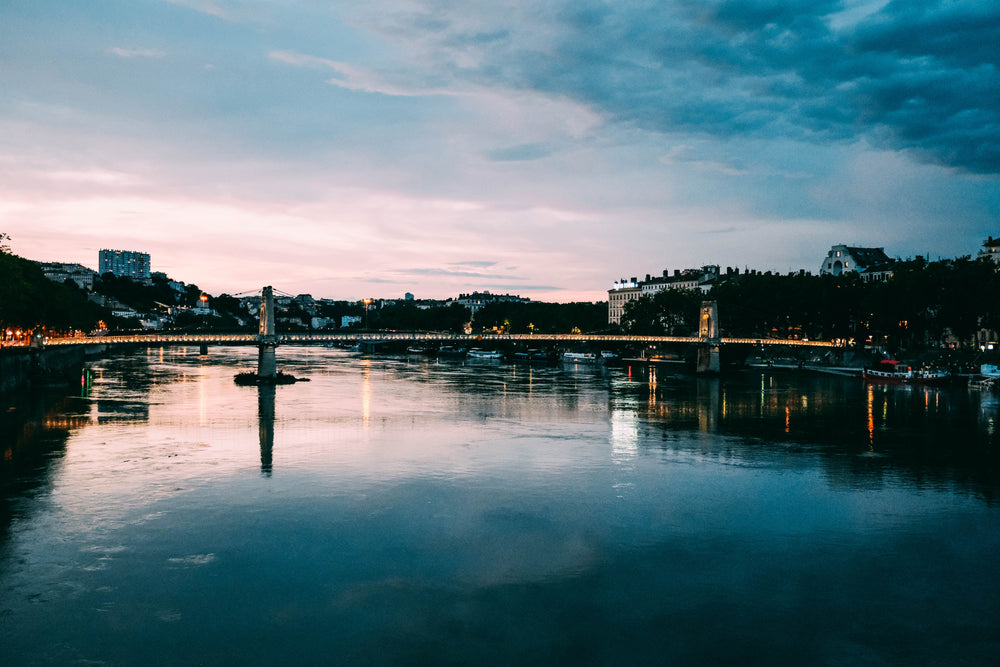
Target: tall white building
124,263
624,291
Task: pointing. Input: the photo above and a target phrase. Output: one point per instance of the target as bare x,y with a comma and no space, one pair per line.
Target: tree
28,299
670,312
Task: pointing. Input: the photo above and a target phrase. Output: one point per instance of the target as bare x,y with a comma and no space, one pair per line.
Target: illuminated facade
124,264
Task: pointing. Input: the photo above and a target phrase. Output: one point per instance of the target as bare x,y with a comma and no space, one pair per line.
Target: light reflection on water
401,509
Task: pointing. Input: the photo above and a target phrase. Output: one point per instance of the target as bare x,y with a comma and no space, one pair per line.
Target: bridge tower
267,365
708,331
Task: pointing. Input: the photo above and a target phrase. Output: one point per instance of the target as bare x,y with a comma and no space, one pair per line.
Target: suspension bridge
267,338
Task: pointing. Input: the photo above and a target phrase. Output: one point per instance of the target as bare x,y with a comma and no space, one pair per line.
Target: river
401,510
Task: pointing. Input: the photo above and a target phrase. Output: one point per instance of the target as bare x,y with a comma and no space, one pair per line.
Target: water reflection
926,435
366,392
34,428
435,513
265,419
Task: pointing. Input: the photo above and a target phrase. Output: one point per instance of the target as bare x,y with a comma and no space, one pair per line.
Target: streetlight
204,301
367,302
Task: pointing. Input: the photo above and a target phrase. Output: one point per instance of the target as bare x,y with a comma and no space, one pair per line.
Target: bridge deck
414,337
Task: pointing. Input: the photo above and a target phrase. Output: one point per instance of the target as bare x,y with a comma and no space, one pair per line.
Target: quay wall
23,367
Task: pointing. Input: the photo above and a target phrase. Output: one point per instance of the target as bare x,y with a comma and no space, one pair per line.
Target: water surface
400,510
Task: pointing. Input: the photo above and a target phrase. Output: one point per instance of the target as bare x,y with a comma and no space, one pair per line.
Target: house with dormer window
872,263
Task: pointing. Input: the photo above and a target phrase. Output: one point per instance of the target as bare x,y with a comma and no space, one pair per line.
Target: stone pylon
708,331
267,365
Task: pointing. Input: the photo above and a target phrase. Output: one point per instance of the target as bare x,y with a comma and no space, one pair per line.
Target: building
477,300
872,263
624,291
621,293
60,272
124,264
991,249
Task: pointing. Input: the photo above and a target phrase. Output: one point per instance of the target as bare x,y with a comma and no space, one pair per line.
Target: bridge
416,336
267,339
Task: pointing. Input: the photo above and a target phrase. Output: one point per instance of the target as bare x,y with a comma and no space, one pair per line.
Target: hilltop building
624,291
124,264
477,300
991,249
872,263
60,272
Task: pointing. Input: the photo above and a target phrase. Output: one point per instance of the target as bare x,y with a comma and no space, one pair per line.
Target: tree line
29,300
924,304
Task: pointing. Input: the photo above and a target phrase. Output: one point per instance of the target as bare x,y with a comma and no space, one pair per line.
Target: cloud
454,274
914,76
209,7
684,155
480,263
94,177
351,77
521,153
138,53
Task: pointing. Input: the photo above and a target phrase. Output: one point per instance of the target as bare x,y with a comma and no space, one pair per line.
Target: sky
547,149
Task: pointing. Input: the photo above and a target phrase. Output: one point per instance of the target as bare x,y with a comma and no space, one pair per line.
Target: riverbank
24,368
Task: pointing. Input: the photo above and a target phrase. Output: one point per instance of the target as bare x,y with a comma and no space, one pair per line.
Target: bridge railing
427,337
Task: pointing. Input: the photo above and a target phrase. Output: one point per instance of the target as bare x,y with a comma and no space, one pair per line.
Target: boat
534,355
988,378
476,353
985,383
579,357
891,371
451,352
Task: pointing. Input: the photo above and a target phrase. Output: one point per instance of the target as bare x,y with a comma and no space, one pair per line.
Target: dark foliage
923,304
540,317
29,300
406,316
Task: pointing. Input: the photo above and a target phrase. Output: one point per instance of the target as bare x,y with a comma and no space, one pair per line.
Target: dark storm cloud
916,75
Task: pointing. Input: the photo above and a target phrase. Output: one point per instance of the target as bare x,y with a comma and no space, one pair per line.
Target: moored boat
535,356
476,353
892,372
579,357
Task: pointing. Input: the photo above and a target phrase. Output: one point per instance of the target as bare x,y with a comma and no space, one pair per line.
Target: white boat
476,353
580,357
